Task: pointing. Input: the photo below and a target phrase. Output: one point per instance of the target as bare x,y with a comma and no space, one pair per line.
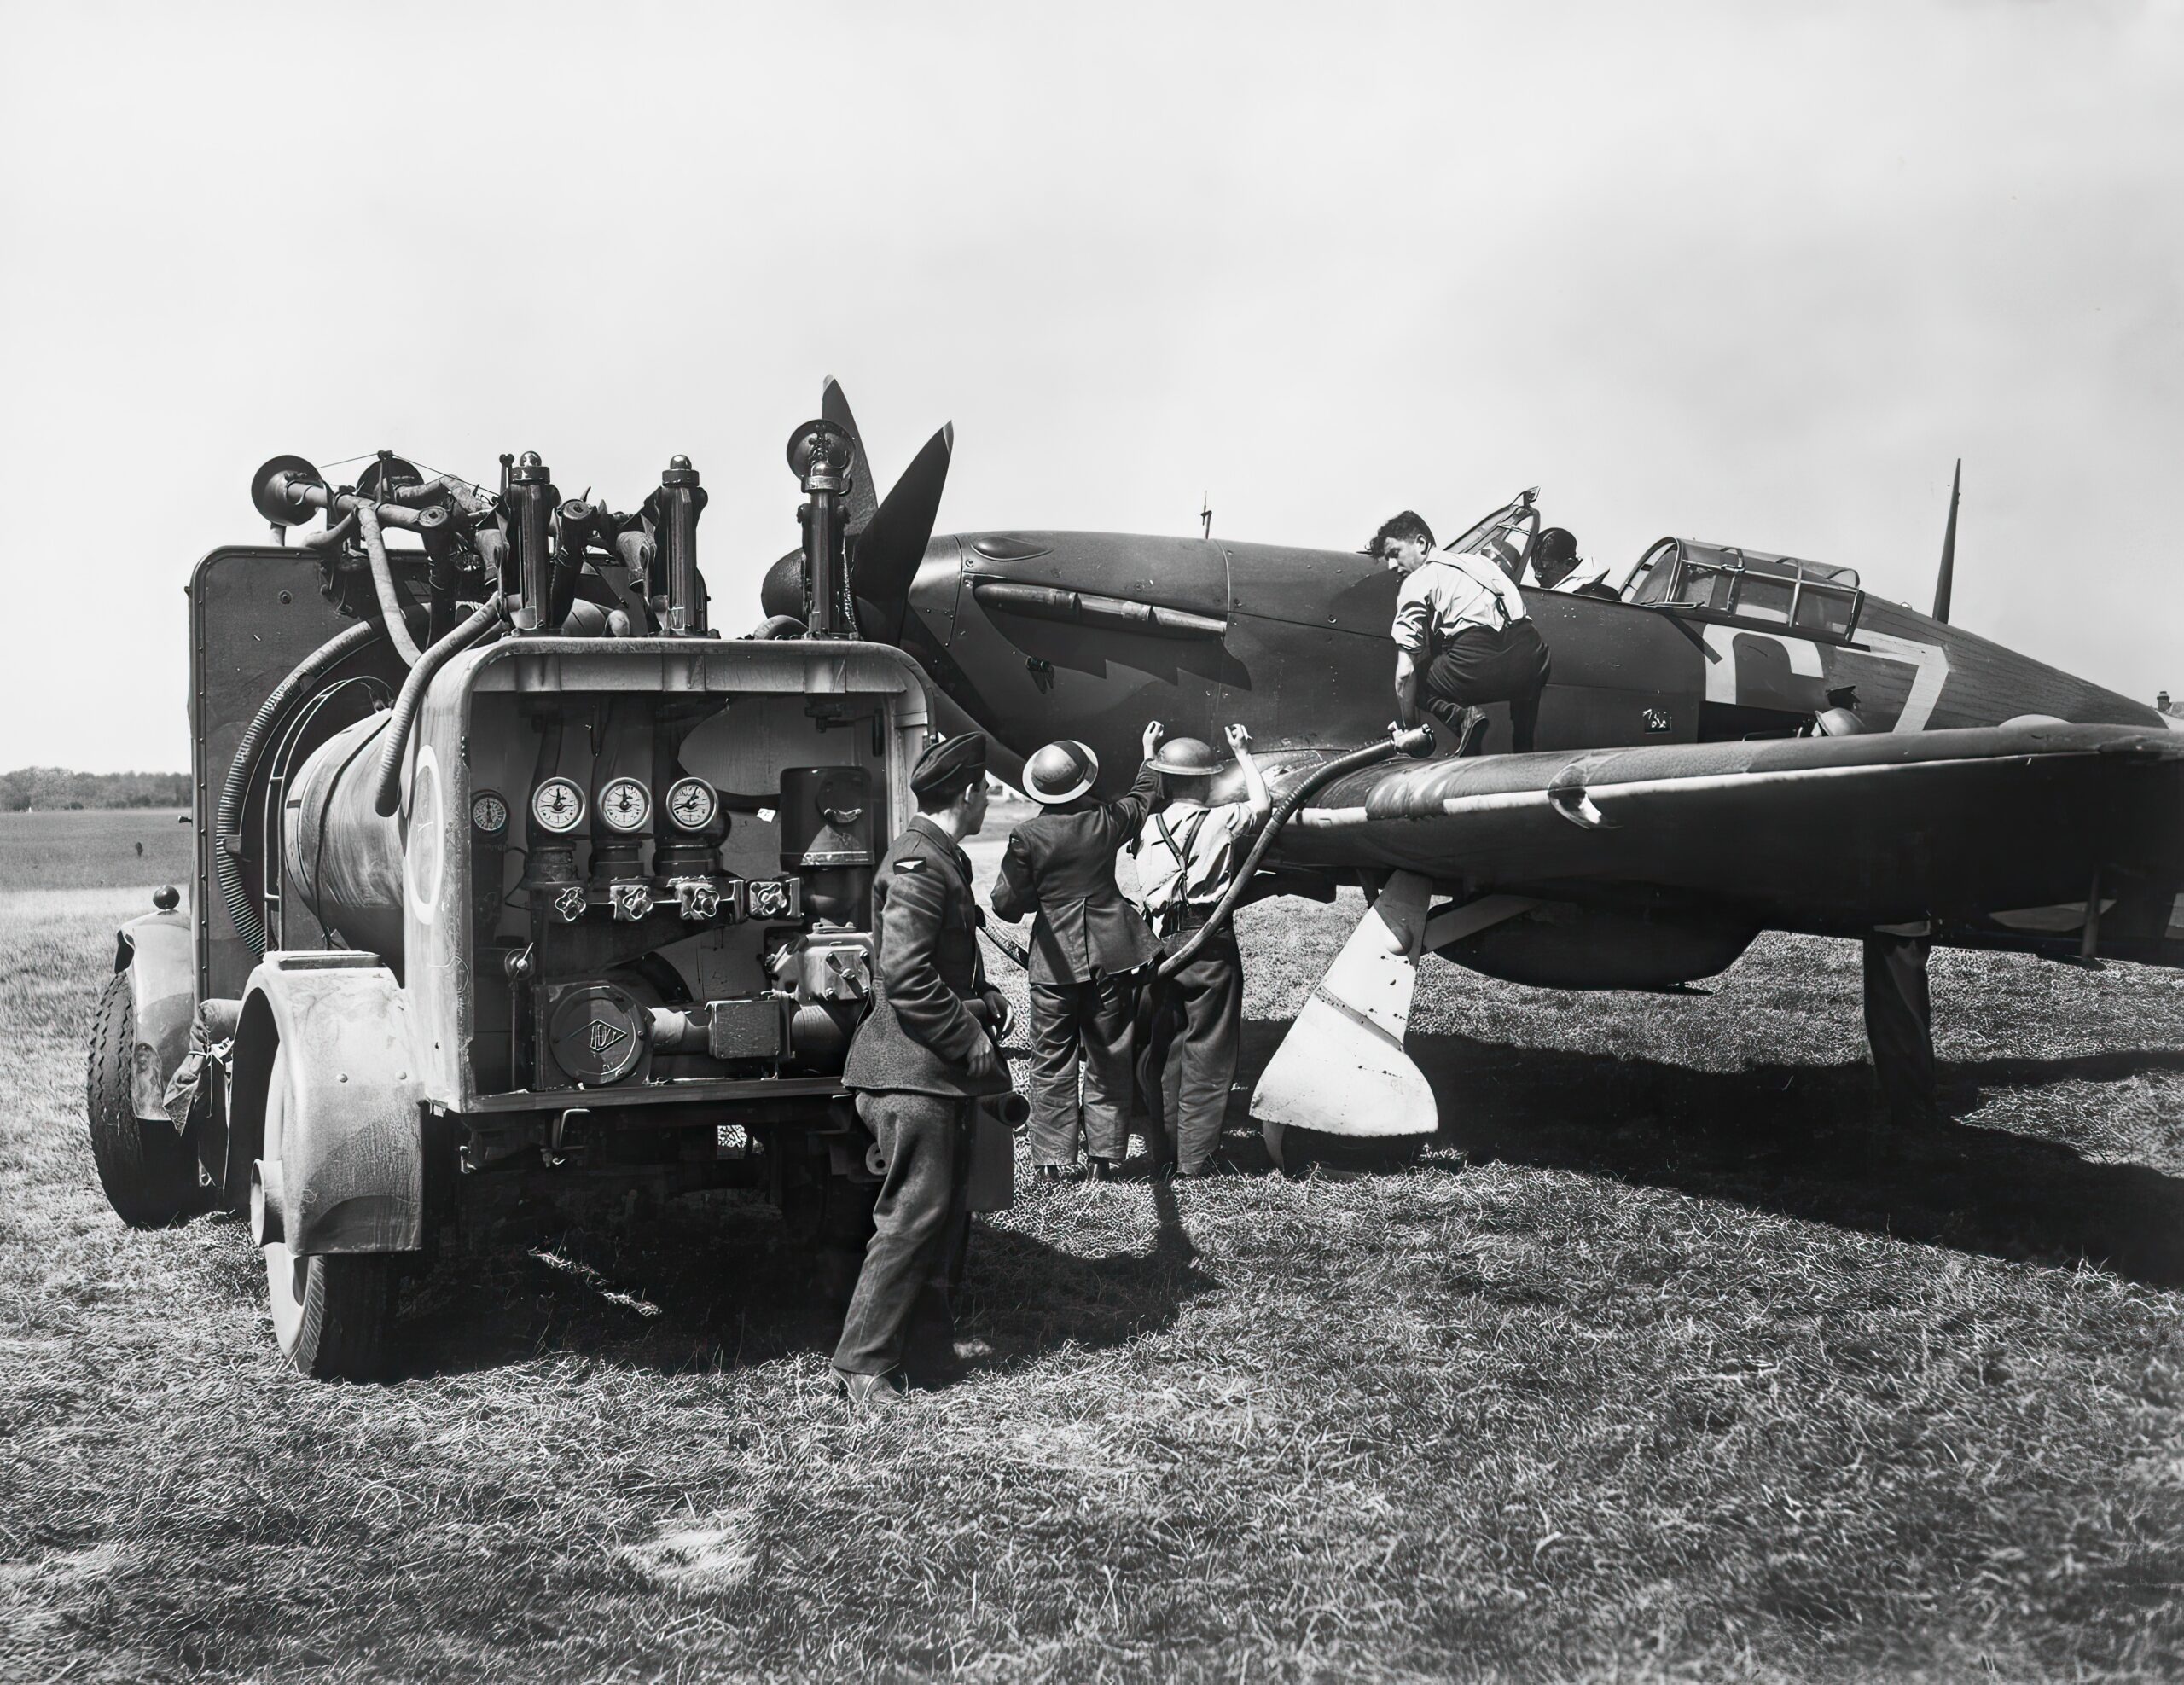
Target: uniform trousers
1899,1028
1477,665
921,1226
1090,1022
1197,1029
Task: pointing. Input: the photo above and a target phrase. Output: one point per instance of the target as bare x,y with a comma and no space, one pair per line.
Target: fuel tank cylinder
341,860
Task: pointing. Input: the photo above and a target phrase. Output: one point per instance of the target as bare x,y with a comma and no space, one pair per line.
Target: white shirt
1210,842
1587,572
1449,593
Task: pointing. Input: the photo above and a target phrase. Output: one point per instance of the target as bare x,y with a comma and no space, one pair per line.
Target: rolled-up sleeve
1414,626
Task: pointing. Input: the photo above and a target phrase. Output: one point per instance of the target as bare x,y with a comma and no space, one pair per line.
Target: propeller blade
884,559
863,501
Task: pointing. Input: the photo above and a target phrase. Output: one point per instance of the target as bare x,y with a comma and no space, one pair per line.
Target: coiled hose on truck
226,818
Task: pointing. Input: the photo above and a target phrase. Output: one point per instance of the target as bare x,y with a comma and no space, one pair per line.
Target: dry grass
95,848
1659,1365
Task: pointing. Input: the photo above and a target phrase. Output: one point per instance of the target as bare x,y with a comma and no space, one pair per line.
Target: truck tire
149,1175
332,1312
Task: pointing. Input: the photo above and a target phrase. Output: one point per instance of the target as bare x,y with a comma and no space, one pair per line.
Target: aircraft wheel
333,1312
147,1173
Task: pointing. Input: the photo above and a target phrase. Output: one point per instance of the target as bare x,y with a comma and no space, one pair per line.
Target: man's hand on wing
1155,734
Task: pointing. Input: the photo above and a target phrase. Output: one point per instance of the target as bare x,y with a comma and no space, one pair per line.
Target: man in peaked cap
921,1057
1088,944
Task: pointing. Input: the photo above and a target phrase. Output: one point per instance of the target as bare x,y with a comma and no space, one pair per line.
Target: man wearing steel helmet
924,1053
1087,942
1187,853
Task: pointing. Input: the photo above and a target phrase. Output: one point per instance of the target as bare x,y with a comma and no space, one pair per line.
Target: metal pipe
529,505
390,605
386,794
1418,741
227,817
677,504
437,529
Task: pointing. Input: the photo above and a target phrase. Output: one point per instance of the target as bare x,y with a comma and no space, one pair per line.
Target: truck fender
347,1174
156,955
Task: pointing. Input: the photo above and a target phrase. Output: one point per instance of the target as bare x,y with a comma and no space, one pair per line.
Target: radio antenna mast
1205,515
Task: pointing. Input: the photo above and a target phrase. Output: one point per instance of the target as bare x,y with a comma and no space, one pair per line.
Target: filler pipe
1416,741
386,794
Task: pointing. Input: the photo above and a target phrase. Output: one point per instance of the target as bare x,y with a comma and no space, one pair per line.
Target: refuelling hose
390,607
1415,741
386,794
227,817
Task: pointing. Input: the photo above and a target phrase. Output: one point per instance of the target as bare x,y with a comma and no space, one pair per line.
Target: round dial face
625,803
489,814
690,803
558,806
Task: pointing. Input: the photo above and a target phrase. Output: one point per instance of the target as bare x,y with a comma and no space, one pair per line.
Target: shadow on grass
715,1283
1808,1140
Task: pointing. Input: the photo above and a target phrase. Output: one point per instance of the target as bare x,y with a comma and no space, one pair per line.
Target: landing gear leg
1899,1028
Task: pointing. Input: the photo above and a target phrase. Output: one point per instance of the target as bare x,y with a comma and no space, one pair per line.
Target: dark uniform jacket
1062,863
920,1036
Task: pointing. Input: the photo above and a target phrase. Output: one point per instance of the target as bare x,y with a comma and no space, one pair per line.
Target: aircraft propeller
886,536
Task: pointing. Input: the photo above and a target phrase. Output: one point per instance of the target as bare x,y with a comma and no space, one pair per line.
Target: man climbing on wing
1461,633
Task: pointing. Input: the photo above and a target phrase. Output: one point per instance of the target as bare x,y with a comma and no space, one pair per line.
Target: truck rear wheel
147,1173
332,1312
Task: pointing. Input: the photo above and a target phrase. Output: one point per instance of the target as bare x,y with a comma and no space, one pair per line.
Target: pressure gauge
691,804
625,804
489,814
558,807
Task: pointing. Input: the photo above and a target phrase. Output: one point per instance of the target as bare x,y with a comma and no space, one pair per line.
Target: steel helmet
1061,772
1188,758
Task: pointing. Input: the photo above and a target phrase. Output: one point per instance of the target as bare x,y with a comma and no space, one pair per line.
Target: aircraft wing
1995,833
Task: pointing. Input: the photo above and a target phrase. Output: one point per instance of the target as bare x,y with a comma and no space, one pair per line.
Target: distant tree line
50,786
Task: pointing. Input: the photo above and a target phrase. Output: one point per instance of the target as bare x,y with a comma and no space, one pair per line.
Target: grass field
1661,1364
95,848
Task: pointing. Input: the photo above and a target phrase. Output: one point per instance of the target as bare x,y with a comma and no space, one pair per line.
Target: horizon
1758,276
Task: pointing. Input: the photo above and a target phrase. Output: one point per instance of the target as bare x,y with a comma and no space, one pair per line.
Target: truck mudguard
155,953
342,1143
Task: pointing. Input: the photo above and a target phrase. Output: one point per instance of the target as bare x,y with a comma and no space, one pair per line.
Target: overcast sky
1758,274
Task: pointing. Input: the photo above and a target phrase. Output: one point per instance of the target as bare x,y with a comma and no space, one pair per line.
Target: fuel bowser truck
509,866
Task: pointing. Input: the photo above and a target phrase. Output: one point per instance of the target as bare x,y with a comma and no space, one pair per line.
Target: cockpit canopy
1728,584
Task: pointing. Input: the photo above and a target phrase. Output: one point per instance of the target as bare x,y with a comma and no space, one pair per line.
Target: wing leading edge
1993,834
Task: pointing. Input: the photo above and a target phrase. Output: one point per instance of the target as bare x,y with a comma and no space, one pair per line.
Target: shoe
1056,1172
1105,1169
1471,726
873,1395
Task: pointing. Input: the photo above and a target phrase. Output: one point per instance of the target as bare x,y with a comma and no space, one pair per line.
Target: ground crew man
1460,626
1187,854
921,1055
1087,944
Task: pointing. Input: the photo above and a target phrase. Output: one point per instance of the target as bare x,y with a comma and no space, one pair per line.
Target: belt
1190,918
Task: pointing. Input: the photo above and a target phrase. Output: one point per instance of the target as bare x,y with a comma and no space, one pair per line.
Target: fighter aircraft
1734,741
